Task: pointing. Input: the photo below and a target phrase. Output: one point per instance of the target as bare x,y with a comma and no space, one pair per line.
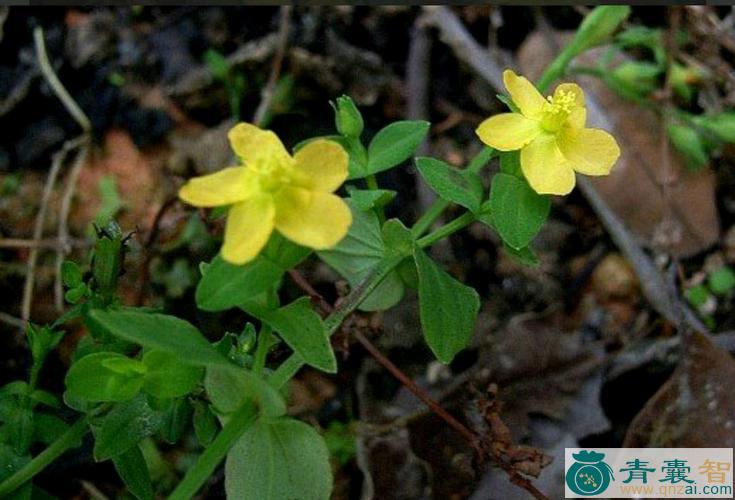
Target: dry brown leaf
695,408
634,189
138,178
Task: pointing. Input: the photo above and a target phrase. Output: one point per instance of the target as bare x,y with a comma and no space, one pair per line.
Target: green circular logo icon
589,475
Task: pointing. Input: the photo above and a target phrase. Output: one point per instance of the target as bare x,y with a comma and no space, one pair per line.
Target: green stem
293,364
261,352
447,229
208,461
429,217
372,183
70,439
439,206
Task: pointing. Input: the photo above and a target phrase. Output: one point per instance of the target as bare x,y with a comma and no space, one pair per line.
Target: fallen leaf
695,408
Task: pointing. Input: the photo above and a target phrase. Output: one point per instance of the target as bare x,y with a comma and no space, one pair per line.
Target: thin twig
64,243
12,320
52,243
268,91
56,163
48,72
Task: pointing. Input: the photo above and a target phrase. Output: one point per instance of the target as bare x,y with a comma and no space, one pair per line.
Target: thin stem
208,461
450,228
472,438
429,217
439,206
70,439
261,352
372,183
293,364
48,72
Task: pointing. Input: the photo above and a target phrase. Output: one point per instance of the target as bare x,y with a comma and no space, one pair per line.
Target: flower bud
599,25
347,117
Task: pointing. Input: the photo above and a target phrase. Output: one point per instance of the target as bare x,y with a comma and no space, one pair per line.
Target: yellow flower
274,190
551,135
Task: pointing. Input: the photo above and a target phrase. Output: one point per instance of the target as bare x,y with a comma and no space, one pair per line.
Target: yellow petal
249,225
546,170
312,218
570,88
508,131
577,118
589,151
253,144
523,94
324,163
229,185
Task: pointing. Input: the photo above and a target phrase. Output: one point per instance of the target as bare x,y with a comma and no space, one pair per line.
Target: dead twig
57,162
268,91
51,243
50,75
64,244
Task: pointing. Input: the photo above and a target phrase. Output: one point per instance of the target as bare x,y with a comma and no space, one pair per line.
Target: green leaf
690,144
721,124
366,199
394,144
397,238
133,470
518,211
721,281
205,423
447,309
510,163
176,417
462,187
698,295
217,64
104,376
124,427
159,332
224,285
356,256
71,274
229,389
47,428
10,463
167,377
277,460
303,330
523,255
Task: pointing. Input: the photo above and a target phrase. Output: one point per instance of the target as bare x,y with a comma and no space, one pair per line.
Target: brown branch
269,90
56,163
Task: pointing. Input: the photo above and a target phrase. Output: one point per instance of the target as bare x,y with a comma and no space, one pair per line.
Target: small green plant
141,374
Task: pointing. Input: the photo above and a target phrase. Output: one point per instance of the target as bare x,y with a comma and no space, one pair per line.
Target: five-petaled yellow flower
274,190
551,135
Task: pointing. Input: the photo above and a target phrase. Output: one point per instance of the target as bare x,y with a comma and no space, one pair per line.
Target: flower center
272,175
557,110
